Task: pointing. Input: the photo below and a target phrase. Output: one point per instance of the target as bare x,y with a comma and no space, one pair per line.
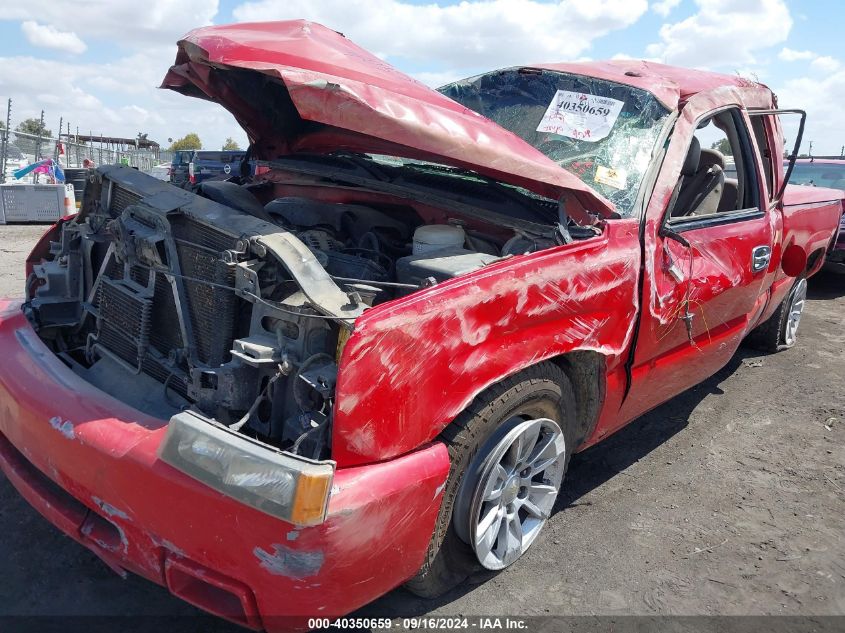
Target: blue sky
97,64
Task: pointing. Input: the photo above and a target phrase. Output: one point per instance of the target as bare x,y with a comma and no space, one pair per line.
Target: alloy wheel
515,491
796,308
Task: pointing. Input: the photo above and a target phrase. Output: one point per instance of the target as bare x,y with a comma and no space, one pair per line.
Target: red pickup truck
370,364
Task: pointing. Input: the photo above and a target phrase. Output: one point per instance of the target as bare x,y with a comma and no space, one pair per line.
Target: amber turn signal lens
311,499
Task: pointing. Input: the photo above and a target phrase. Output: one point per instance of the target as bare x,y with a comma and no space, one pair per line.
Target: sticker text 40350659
580,116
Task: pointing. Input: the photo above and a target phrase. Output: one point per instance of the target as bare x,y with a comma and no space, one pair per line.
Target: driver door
708,256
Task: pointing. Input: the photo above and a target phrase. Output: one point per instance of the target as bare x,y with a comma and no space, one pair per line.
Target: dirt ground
729,499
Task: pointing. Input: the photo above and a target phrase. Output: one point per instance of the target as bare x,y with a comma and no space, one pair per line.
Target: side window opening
758,126
719,174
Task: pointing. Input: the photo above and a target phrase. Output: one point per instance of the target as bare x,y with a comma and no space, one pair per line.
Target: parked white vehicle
160,171
15,159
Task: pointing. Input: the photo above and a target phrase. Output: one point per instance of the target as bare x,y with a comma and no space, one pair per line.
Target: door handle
760,258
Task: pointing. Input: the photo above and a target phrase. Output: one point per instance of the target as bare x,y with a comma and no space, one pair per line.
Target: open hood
297,86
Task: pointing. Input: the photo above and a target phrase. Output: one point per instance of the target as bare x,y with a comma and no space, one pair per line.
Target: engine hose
300,390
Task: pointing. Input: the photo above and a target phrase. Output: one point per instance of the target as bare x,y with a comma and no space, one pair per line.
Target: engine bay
235,301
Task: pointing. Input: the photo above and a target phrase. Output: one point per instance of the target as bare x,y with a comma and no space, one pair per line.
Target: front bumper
87,462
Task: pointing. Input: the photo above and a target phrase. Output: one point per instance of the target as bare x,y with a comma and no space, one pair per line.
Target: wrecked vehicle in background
370,365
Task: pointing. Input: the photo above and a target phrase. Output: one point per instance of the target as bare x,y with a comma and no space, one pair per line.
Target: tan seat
730,188
701,193
730,196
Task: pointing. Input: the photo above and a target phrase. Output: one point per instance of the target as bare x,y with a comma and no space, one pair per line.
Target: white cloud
117,94
824,111
723,33
123,22
664,7
825,64
48,36
472,34
791,55
77,93
822,63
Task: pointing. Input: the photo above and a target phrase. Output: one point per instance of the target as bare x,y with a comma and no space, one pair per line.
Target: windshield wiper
520,198
363,162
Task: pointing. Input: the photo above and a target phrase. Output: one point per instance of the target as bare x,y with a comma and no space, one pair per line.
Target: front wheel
504,501
509,451
780,331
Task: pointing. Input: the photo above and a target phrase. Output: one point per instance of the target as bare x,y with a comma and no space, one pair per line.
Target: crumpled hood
297,86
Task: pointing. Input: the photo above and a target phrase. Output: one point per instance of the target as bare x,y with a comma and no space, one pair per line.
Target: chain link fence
18,149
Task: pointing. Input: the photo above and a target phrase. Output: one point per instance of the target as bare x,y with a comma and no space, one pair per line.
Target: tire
540,392
780,330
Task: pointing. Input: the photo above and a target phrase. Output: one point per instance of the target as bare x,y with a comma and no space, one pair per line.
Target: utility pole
4,151
38,141
56,156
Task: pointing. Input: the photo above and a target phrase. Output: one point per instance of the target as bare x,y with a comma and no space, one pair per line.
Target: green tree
230,144
33,126
191,140
723,146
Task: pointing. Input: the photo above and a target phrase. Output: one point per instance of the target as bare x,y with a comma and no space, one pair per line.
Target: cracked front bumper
87,462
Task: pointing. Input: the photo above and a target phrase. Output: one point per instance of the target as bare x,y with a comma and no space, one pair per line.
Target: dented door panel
723,296
699,301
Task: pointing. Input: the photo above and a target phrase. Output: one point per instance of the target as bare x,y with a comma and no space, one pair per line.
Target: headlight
283,485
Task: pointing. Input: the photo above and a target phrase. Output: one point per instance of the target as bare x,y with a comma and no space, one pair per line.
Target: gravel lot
730,499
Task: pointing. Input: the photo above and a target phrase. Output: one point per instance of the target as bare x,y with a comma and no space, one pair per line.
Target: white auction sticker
580,116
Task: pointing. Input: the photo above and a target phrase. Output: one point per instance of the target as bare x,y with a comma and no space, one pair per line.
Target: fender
821,241
412,365
811,218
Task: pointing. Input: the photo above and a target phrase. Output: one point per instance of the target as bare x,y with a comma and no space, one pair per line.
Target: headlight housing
283,485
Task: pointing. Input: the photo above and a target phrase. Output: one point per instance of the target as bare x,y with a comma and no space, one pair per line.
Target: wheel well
586,371
813,261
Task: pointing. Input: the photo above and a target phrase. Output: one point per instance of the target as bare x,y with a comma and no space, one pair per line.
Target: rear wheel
780,331
509,452
794,311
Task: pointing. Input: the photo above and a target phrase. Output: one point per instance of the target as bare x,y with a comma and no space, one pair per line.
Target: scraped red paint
88,462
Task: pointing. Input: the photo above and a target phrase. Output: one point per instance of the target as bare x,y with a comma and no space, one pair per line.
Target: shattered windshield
601,131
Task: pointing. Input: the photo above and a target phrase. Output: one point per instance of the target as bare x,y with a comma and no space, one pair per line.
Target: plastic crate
31,203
